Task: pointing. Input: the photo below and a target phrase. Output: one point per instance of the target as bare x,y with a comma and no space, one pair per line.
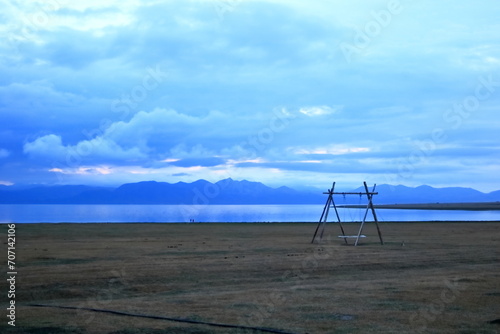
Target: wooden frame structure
330,203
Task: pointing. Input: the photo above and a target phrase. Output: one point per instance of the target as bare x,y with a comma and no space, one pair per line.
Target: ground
427,278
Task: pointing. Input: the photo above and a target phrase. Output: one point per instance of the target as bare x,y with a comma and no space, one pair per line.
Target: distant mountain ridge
388,194
227,191
200,192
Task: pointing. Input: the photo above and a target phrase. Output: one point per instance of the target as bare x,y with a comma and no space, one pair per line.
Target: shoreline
257,223
471,206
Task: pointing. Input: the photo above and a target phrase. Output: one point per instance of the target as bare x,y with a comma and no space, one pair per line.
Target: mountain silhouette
228,191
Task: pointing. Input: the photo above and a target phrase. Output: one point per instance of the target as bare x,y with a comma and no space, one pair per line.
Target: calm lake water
216,213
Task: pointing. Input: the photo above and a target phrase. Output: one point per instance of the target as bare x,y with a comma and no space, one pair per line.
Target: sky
284,92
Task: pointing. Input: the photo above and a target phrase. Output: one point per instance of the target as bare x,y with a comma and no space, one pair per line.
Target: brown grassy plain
444,279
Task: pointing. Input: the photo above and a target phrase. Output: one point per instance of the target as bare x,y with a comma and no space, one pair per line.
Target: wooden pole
323,225
368,195
324,215
338,220
330,204
370,204
325,209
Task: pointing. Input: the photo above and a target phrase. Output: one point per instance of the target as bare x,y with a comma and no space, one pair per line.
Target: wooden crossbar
349,193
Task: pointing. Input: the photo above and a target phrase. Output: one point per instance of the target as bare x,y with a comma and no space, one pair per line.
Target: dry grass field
444,279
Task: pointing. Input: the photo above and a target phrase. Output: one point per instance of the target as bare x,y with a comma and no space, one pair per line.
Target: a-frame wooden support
330,203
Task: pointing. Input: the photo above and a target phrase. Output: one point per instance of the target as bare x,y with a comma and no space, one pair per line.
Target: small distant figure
191,220
403,243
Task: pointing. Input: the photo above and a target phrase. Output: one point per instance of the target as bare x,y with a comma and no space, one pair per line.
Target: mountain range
228,191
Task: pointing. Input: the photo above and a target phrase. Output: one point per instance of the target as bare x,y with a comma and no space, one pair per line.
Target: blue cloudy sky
286,92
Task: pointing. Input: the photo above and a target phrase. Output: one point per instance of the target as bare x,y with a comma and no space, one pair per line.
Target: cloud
180,174
149,137
70,89
320,110
50,147
333,167
39,107
330,150
202,162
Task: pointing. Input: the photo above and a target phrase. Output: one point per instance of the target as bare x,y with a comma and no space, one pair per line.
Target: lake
19,213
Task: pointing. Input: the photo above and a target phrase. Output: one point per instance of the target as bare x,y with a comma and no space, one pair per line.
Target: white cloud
98,149
51,15
198,151
332,150
147,137
320,110
48,146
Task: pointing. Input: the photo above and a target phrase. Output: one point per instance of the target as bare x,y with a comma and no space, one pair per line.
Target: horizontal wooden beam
349,193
